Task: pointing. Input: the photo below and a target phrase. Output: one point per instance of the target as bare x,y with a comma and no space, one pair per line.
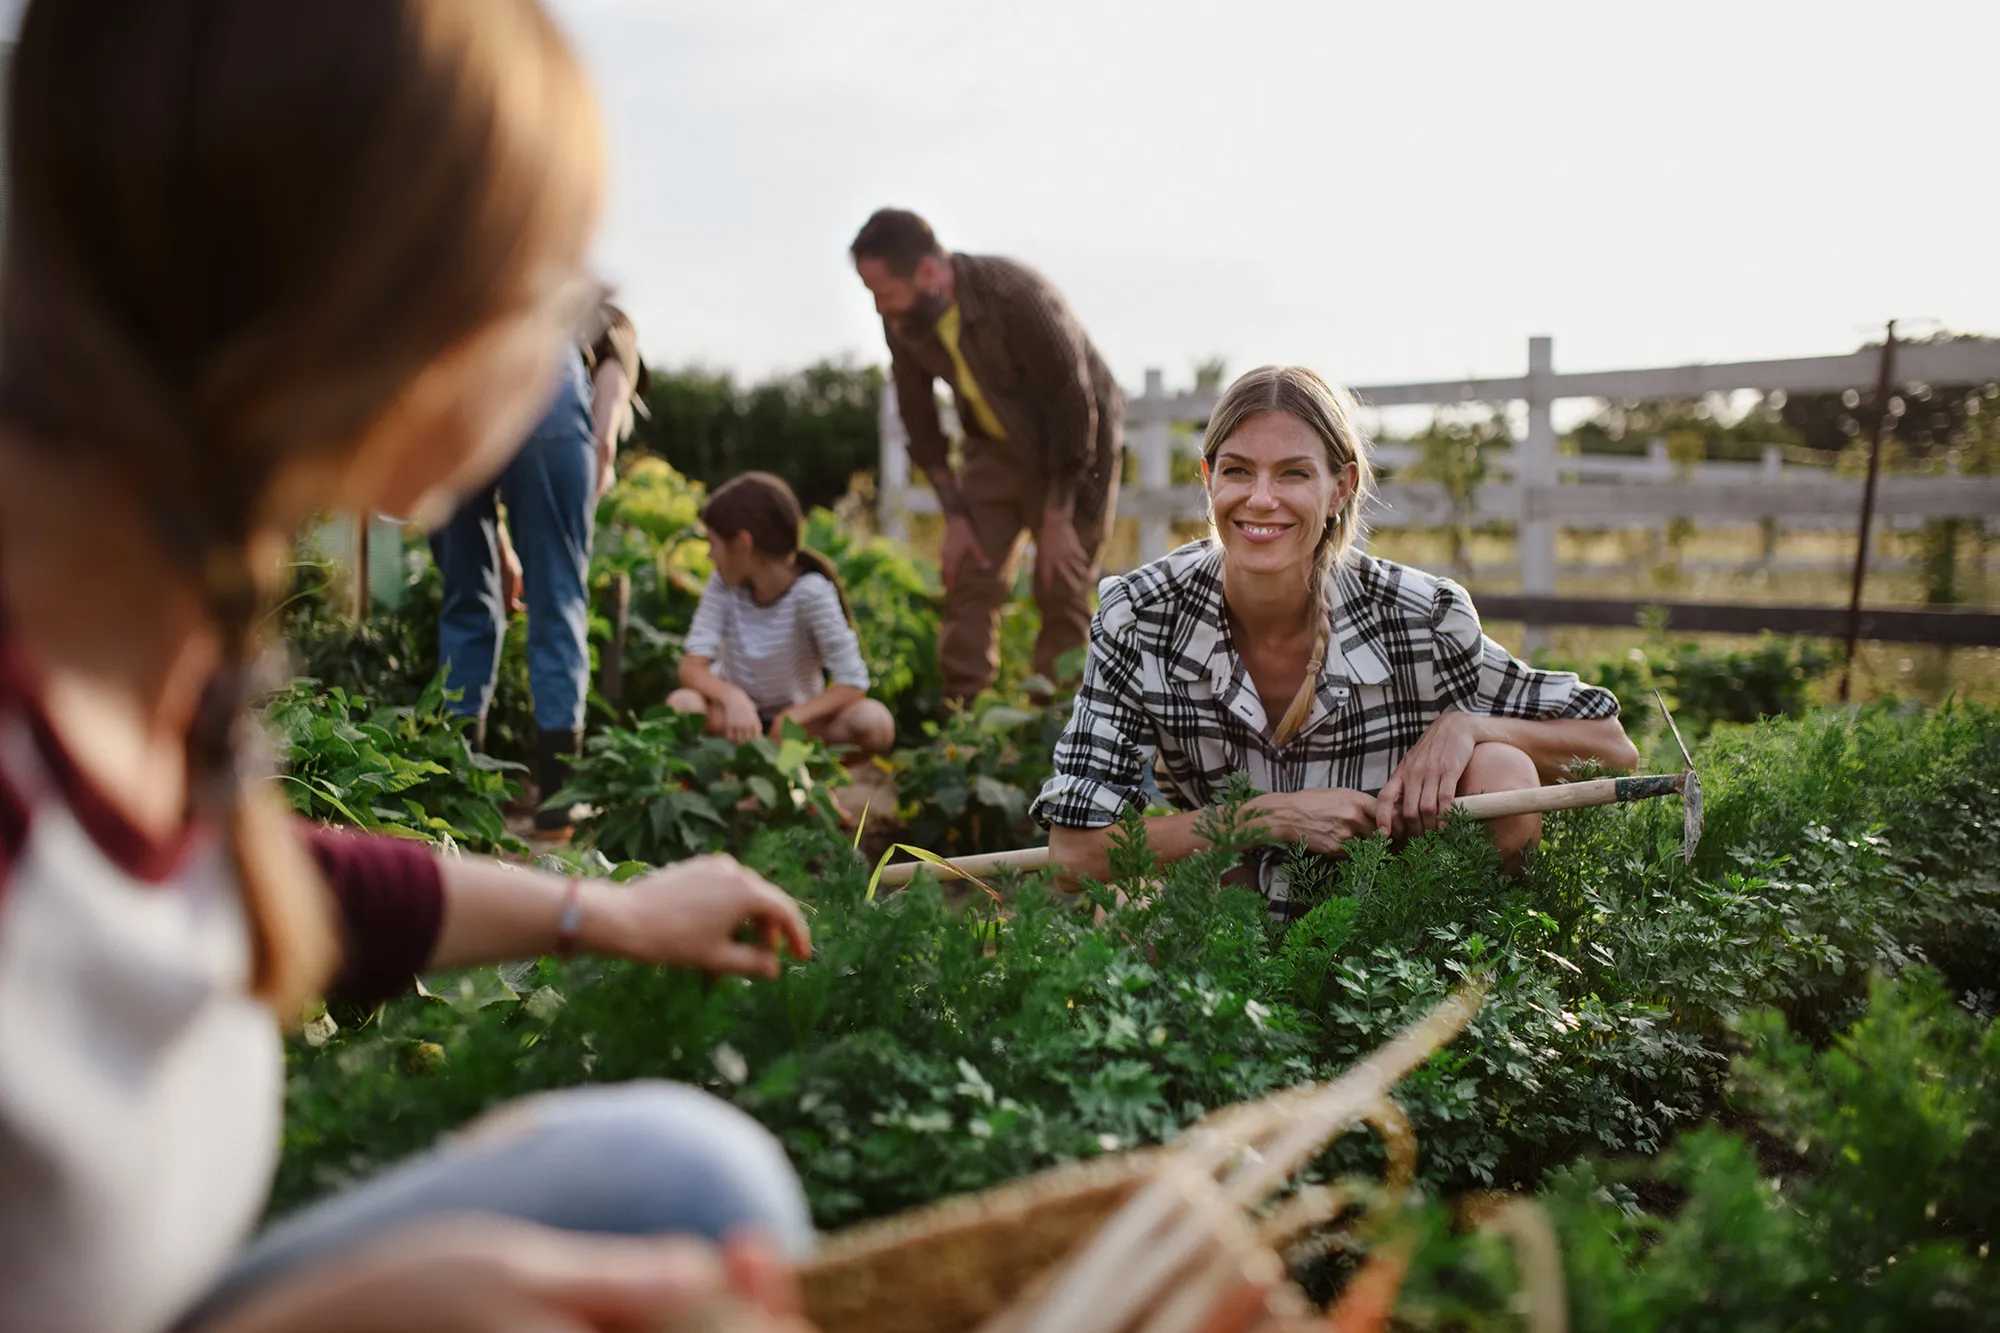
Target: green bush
815,428
968,787
895,602
404,770
1707,686
1861,1198
663,789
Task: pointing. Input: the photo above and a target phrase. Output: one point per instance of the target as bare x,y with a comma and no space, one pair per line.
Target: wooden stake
1885,423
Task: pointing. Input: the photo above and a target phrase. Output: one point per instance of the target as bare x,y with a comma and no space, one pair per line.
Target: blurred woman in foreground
263,260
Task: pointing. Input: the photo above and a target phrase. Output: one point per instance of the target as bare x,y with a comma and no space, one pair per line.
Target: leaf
929,858
760,787
1001,718
1001,796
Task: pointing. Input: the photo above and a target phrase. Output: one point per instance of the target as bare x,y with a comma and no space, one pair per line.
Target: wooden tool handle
1488,805
1567,796
1026,858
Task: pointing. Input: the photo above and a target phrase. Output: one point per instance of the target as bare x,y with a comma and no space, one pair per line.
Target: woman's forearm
495,913
1557,743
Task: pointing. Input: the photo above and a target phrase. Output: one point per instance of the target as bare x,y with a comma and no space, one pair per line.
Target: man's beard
924,313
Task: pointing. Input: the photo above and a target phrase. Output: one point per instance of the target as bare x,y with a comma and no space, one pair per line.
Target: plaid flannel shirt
1163,681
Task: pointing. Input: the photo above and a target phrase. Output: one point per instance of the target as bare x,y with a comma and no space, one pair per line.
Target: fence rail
1542,491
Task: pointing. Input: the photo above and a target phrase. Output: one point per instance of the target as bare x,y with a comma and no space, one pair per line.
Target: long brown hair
764,506
1329,412
237,231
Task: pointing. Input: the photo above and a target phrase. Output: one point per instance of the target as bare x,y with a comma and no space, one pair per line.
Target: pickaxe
1486,805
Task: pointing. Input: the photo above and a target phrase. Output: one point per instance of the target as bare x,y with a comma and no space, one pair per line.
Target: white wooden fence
1542,490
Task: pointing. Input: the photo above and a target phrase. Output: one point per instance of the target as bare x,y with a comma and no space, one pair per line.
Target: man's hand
961,542
689,915
740,722
511,581
1059,552
489,1274
1426,783
607,465
1324,817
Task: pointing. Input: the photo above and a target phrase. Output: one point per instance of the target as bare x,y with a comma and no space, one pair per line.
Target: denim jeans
642,1158
550,490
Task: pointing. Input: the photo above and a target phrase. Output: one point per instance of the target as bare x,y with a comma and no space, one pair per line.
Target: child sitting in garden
772,626
261,261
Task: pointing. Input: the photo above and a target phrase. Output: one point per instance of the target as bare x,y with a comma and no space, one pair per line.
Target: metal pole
1885,422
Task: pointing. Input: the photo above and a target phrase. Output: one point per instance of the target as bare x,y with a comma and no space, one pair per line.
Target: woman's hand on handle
1424,785
1324,818
487,1274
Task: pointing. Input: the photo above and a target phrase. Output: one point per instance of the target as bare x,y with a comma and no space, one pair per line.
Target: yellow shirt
968,387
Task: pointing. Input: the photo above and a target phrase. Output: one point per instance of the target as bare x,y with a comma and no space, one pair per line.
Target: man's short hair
897,237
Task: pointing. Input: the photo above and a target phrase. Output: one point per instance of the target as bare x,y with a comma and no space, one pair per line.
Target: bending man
1041,416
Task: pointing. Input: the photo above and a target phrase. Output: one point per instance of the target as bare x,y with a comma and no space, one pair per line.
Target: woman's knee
688,701
648,1157
1496,766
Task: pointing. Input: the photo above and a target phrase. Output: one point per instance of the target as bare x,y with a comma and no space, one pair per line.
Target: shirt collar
1201,646
1353,651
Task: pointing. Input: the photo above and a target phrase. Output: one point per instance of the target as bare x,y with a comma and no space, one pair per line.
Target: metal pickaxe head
1690,788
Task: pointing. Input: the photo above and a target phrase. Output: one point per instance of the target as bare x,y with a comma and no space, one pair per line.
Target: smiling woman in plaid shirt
1388,699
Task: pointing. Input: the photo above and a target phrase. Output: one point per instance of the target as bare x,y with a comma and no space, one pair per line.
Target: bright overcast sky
1383,191
1396,190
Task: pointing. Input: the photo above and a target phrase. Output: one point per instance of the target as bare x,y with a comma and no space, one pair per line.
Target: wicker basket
1139,1240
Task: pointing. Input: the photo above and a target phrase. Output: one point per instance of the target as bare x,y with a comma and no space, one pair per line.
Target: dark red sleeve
391,898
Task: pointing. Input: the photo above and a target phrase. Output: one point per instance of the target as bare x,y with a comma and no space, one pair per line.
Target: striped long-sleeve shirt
781,654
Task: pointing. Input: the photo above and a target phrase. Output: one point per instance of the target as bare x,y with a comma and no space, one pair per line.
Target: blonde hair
236,232
1329,411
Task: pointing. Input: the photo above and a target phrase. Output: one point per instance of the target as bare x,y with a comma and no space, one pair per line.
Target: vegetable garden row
1758,1091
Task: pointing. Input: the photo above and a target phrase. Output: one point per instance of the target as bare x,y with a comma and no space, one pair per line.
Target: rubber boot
553,752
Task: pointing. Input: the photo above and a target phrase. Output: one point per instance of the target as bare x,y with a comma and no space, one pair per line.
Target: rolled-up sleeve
1100,762
390,895
1477,675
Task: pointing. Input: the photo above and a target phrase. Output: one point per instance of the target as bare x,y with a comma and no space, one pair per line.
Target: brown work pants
1002,487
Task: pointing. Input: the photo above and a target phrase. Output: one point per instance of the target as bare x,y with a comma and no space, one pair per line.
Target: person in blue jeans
550,491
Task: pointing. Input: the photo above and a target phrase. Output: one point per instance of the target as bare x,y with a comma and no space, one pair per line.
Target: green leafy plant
664,789
968,788
404,770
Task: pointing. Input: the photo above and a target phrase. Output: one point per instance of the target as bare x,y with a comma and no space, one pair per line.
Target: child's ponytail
816,563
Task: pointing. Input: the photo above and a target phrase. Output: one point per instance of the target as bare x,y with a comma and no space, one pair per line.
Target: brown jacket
1037,369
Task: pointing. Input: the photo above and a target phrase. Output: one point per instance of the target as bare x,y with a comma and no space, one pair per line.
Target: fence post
1154,443
892,475
1662,465
1535,467
1773,466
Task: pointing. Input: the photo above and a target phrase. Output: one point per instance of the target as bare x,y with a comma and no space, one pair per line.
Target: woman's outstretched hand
1425,784
690,915
486,1274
